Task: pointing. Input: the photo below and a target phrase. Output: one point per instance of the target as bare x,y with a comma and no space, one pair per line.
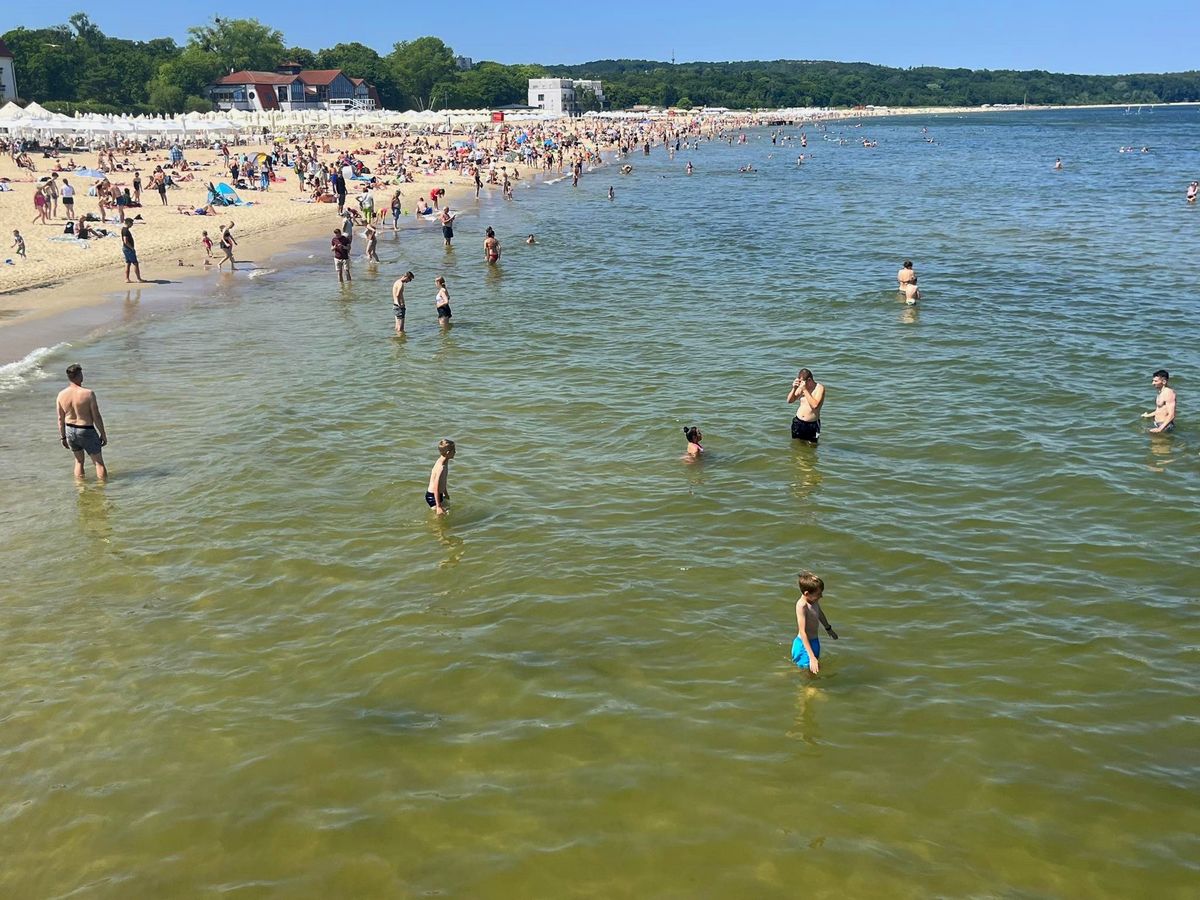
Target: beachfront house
558,95
8,75
292,88
555,95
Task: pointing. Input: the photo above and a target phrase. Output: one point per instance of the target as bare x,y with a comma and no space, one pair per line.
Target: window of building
282,93
322,93
541,97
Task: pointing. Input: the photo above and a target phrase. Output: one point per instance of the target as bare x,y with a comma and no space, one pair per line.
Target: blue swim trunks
800,655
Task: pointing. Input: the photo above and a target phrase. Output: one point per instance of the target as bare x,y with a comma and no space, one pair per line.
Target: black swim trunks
429,498
806,431
444,312
83,438
447,232
399,311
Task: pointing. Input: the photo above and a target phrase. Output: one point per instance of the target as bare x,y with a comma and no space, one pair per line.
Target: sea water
255,664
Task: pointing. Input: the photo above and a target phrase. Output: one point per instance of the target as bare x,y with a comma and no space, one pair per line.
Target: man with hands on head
806,426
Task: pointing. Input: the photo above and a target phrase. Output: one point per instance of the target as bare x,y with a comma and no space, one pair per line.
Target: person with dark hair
127,248
906,275
1164,404
806,426
80,425
491,247
398,300
694,437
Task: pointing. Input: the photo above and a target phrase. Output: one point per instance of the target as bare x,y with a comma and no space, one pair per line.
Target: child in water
806,648
437,494
694,437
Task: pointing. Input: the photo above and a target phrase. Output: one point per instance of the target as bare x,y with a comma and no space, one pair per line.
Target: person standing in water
908,283
80,425
1164,404
806,648
447,220
442,304
806,426
1058,165
693,436
491,248
438,491
398,300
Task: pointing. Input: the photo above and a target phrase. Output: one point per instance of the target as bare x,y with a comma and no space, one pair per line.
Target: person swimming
694,437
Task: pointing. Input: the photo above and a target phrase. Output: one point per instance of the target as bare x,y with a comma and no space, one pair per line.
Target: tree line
76,66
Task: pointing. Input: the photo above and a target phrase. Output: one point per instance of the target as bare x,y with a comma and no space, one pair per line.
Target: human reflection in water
94,508
132,306
806,729
1162,454
806,473
910,315
455,546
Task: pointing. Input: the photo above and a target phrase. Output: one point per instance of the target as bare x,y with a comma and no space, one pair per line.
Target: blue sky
1102,36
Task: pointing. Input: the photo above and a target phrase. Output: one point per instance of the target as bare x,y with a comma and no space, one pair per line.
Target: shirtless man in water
80,425
1164,404
806,426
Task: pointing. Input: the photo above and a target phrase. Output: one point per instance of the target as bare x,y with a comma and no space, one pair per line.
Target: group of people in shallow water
82,429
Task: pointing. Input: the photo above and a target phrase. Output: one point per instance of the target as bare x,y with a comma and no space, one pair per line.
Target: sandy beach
61,273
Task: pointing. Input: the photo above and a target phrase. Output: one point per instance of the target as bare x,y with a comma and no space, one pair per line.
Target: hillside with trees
75,66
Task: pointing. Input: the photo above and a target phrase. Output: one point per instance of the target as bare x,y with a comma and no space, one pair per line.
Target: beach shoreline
68,302
65,291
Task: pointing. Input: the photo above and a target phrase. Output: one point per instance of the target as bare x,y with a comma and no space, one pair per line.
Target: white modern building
8,75
557,95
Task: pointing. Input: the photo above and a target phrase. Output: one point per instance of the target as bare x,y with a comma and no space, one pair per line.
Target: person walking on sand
442,304
127,248
341,255
227,243
18,244
398,300
806,426
491,248
806,648
39,205
438,491
137,188
447,219
80,425
1164,404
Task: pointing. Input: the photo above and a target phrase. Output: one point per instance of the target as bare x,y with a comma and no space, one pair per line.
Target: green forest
76,67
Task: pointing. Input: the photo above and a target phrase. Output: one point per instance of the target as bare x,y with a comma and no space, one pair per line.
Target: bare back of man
80,425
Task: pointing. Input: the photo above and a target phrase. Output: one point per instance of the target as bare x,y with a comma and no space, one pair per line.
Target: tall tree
420,65
238,44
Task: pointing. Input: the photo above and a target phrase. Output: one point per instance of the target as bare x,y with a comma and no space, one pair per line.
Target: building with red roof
292,88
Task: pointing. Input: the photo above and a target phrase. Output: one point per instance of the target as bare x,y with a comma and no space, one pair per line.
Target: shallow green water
254,665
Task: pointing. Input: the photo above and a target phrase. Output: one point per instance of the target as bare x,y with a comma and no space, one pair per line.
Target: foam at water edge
27,369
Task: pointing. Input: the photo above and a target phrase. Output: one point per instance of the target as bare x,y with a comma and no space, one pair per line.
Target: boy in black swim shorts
398,300
438,492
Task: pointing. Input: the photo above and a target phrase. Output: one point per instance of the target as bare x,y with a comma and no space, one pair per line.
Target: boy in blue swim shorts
806,648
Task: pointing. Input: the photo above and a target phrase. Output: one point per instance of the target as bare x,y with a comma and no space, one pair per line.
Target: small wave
17,373
259,273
